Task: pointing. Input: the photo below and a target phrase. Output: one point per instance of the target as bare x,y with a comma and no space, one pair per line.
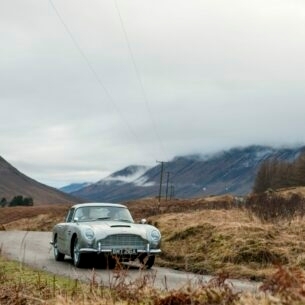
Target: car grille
123,240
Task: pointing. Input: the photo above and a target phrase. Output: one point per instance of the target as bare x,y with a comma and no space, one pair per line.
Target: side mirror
143,221
75,219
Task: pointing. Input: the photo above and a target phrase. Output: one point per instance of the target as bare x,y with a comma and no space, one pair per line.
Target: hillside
13,183
226,172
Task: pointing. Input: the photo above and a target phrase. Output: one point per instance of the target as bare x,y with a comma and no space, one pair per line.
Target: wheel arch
55,238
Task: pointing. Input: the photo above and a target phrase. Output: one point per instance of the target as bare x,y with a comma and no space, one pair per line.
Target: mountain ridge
14,183
229,171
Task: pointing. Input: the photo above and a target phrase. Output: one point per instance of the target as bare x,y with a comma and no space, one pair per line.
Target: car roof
99,204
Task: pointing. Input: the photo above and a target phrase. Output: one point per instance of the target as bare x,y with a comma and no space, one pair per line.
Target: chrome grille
123,241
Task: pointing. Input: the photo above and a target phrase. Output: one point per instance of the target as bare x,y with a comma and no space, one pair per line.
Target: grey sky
216,74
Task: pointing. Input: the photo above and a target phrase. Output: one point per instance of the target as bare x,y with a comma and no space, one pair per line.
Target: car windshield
93,213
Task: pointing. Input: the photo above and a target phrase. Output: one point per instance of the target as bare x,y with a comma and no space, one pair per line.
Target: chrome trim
151,251
123,240
87,250
90,250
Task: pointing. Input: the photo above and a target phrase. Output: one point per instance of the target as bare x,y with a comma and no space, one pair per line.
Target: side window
70,215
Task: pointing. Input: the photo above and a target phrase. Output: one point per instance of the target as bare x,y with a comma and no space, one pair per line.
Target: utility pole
167,181
161,177
172,192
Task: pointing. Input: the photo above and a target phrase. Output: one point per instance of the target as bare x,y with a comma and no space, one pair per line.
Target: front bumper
110,251
120,250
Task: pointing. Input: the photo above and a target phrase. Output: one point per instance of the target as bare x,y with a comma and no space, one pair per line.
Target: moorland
258,237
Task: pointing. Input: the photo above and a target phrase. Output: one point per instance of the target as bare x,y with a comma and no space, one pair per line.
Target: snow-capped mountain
232,171
130,174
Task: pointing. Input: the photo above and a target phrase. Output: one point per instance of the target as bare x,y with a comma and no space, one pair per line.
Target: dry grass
151,206
22,286
230,241
24,218
288,191
204,235
35,218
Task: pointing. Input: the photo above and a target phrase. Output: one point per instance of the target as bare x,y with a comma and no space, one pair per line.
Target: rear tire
57,254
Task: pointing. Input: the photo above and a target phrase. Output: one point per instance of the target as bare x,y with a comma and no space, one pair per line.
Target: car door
64,233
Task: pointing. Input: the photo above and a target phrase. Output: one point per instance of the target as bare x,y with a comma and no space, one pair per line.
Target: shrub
20,200
269,206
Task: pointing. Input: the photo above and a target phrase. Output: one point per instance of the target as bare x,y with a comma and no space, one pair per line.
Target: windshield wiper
123,220
101,218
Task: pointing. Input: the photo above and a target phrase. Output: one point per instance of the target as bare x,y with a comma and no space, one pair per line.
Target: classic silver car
108,232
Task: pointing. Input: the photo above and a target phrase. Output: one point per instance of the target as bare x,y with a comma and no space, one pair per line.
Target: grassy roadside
229,241
20,285
206,235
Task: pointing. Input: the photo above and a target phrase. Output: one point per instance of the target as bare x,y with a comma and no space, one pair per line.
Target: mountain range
232,171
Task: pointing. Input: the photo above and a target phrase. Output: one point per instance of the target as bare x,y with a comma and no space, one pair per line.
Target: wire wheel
57,254
77,256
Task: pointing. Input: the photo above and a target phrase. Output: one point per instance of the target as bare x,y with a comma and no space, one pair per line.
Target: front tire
76,255
111,262
57,254
147,261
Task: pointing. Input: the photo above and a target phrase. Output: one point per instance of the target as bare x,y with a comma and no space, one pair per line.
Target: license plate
124,251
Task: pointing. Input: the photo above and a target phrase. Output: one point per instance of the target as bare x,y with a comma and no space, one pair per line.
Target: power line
93,71
138,75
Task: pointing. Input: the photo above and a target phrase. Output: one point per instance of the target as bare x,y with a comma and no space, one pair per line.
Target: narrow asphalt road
34,249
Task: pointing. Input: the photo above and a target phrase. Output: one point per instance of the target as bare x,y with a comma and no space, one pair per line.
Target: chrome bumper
110,251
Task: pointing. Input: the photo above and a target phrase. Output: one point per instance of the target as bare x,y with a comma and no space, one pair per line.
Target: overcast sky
89,87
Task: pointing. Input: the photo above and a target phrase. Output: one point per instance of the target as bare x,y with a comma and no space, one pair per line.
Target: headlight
155,235
89,233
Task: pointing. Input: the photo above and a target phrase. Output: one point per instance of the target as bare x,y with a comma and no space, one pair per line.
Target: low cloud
209,75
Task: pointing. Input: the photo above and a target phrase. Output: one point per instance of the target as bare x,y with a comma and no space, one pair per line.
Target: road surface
34,249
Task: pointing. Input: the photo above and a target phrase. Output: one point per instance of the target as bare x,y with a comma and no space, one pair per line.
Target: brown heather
214,235
20,285
210,235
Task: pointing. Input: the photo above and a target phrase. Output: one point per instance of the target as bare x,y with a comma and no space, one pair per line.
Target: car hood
104,228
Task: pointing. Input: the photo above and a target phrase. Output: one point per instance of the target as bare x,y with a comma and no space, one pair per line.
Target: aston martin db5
107,232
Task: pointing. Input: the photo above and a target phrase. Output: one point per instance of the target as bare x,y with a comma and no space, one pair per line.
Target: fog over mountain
90,87
226,172
232,171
